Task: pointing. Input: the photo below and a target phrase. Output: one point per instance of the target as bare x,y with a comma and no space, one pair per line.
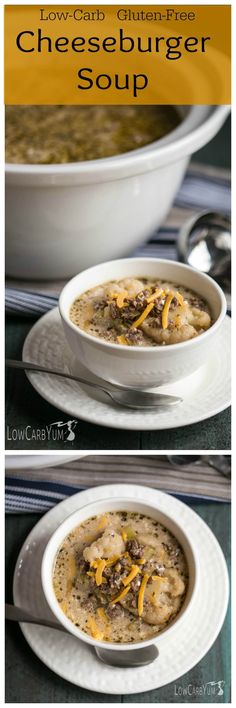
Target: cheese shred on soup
120,577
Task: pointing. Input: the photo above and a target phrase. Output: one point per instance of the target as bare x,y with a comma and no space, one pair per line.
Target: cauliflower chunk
109,544
169,336
177,585
199,318
157,608
132,285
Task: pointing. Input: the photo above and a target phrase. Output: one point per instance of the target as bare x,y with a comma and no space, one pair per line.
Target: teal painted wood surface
28,680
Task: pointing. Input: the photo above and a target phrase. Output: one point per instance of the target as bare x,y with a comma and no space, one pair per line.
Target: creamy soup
59,134
141,312
120,577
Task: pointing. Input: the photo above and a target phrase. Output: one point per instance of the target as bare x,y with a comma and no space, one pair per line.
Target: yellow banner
110,54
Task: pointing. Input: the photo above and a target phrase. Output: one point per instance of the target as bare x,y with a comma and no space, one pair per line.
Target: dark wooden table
24,407
28,680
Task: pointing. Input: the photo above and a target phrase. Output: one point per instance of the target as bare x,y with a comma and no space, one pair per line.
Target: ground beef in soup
120,577
60,134
141,312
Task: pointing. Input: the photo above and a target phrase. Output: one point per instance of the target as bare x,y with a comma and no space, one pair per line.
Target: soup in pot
60,134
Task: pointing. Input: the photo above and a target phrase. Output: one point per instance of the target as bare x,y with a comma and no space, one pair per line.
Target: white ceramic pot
100,507
142,366
61,219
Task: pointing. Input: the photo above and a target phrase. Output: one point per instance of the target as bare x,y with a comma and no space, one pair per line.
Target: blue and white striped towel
203,188
40,489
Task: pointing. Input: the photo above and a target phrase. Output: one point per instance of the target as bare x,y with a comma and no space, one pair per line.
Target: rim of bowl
79,633
119,161
136,348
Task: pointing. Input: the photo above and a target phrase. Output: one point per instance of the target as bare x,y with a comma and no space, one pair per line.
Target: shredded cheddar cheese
121,339
103,522
157,293
99,571
120,298
141,561
64,606
124,535
165,310
121,595
179,298
113,560
107,562
96,634
102,615
141,594
158,577
93,575
134,571
143,316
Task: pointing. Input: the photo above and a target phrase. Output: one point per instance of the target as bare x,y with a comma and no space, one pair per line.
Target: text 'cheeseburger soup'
141,312
120,577
60,134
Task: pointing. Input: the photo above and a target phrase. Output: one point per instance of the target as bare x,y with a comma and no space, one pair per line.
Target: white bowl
142,366
13,463
100,507
61,219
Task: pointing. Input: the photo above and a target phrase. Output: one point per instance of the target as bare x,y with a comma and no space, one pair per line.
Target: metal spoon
125,659
129,658
16,614
204,242
125,397
222,463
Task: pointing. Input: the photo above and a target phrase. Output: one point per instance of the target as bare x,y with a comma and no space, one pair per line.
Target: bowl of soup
90,183
119,573
142,321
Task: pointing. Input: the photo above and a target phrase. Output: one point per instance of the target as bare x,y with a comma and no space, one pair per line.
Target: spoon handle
17,614
27,365
111,390
113,658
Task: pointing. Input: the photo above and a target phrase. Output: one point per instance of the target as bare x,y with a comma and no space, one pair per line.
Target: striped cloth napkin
204,187
40,489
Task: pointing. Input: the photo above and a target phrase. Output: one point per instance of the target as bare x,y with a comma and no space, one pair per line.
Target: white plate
205,393
74,660
26,462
